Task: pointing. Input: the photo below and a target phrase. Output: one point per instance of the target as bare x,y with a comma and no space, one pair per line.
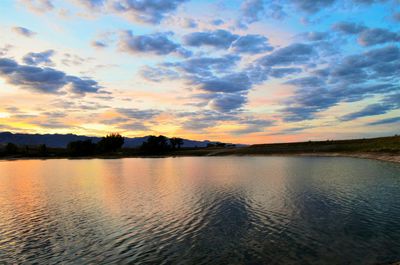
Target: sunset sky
247,71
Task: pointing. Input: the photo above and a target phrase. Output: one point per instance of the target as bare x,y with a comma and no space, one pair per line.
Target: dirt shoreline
375,156
388,157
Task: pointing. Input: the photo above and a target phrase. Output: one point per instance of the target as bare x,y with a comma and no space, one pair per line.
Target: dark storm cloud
296,53
221,39
45,80
24,31
385,121
252,44
35,58
156,43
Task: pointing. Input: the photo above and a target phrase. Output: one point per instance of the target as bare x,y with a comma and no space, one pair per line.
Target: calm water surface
216,210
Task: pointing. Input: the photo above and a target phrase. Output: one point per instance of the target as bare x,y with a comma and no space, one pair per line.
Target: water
200,210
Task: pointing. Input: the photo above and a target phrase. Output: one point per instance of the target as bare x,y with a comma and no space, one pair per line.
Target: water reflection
220,210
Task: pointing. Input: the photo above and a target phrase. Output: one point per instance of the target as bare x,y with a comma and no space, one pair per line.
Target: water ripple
260,210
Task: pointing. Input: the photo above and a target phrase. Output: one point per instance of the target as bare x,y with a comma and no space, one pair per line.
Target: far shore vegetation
111,146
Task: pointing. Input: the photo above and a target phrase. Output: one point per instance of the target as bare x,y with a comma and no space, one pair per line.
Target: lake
200,210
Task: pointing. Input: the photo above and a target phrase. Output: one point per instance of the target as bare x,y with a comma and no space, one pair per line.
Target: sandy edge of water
376,156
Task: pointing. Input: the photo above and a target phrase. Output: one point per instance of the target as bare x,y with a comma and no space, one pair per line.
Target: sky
241,71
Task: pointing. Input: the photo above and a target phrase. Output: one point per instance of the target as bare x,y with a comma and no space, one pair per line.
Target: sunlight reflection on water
200,210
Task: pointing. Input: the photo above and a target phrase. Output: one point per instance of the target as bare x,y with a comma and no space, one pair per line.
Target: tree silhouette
81,148
111,143
43,150
176,142
155,144
11,149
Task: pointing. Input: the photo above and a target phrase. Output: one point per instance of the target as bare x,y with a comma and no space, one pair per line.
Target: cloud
222,88
44,80
370,110
220,39
251,44
391,102
156,43
252,10
376,36
24,31
33,58
83,85
352,79
94,3
217,22
367,36
135,126
99,44
139,114
348,28
148,11
157,74
38,6
234,82
189,23
196,68
316,36
396,16
385,121
252,126
296,53
312,6
227,102
283,72
203,119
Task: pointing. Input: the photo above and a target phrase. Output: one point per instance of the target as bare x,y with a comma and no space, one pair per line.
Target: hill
62,140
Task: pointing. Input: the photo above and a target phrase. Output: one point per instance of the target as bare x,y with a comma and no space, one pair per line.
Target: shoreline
387,157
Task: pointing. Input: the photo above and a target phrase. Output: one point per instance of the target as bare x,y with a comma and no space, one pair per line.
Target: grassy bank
383,148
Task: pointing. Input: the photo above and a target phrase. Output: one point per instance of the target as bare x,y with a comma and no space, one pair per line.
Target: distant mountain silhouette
62,140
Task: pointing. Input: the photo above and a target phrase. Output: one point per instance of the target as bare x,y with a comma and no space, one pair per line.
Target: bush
11,149
81,148
156,144
111,143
